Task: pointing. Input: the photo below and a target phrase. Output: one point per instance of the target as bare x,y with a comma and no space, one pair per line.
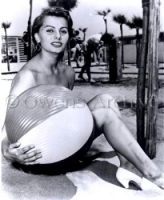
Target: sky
84,15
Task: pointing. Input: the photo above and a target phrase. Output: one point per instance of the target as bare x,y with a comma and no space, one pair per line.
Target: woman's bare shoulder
22,81
27,71
24,74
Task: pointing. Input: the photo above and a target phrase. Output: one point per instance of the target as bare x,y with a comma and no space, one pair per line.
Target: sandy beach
99,172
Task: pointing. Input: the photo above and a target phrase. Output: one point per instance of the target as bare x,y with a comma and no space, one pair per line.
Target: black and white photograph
82,99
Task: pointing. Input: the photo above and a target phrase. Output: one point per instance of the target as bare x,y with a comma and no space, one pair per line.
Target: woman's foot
125,177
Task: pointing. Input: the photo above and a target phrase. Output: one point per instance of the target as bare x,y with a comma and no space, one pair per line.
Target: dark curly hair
54,11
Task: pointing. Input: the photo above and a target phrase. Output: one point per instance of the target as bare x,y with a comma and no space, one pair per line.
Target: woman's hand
26,155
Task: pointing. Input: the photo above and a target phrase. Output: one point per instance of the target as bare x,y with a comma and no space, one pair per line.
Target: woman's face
53,34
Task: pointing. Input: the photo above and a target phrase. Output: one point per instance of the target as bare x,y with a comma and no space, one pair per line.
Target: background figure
93,44
78,51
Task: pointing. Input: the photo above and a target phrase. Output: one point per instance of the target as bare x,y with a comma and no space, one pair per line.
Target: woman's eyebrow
45,26
65,27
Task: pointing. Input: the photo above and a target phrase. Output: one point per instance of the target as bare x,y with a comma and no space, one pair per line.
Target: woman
51,31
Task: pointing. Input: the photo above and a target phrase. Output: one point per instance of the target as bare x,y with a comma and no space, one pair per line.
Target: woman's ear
37,38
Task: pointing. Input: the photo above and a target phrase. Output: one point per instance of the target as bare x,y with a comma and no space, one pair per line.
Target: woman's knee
105,101
110,103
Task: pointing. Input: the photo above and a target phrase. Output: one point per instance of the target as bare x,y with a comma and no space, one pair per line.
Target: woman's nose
57,35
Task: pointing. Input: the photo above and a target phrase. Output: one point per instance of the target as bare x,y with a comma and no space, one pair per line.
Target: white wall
130,53
161,52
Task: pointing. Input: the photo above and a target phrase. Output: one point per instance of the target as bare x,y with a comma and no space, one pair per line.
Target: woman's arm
13,152
4,148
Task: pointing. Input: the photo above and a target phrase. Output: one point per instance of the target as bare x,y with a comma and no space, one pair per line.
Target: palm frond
100,13
66,4
120,19
83,29
130,24
5,25
103,13
137,21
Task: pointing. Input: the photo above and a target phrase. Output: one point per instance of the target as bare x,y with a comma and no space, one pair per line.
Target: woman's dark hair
54,11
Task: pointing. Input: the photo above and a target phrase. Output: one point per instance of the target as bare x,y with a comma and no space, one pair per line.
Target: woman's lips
56,44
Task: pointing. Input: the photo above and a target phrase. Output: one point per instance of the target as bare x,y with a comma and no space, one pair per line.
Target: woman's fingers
26,149
33,159
27,155
32,154
14,149
36,162
30,158
14,145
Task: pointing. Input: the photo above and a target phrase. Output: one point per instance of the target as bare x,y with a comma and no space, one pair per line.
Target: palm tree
104,14
137,24
67,4
121,20
83,30
5,26
29,32
137,21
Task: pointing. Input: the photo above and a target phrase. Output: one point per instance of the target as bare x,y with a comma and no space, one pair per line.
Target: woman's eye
49,30
63,31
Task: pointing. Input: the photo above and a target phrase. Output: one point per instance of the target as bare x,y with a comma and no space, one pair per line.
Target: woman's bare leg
108,121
